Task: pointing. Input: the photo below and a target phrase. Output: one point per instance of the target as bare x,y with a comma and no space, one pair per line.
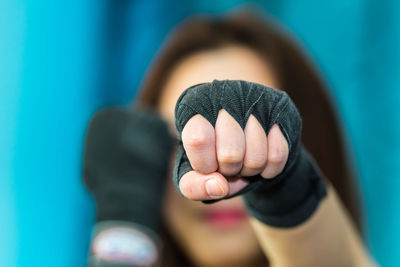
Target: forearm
327,238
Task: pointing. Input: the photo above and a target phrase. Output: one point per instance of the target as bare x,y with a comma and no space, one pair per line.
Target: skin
220,156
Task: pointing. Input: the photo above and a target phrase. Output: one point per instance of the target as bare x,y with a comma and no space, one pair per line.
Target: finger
198,138
236,184
278,151
198,186
255,157
230,144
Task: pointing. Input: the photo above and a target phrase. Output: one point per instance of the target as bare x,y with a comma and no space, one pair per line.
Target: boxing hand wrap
284,201
126,163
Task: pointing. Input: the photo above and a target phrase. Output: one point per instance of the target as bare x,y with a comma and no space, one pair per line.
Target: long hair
296,75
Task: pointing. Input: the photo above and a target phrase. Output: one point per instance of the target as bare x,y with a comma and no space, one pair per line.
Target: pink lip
225,218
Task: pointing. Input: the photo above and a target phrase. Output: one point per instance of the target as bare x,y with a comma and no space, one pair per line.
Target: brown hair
296,75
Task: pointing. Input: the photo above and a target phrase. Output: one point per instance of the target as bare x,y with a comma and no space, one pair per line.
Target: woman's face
218,234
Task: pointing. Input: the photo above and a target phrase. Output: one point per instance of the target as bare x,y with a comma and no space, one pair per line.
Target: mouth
226,218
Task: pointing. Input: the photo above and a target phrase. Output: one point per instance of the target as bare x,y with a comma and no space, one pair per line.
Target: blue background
60,61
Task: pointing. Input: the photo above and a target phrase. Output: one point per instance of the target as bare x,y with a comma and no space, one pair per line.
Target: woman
244,47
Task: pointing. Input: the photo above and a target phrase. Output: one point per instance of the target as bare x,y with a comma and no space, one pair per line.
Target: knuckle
277,156
254,163
230,156
198,140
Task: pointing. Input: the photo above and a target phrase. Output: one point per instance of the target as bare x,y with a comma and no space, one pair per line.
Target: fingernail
214,189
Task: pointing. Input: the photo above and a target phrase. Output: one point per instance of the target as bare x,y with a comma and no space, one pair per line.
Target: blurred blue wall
61,61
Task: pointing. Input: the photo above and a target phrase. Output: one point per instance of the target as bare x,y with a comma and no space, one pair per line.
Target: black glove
284,201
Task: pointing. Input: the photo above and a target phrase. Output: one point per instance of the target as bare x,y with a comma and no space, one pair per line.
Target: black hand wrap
126,161
284,201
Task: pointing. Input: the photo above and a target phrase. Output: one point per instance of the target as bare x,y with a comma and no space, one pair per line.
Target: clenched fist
243,138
